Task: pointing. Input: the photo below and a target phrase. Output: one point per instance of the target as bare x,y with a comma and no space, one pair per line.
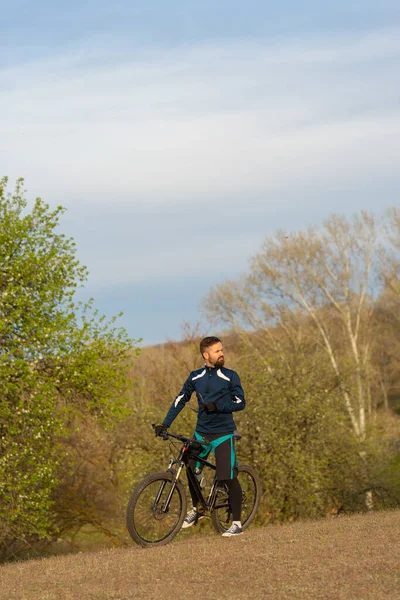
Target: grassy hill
352,558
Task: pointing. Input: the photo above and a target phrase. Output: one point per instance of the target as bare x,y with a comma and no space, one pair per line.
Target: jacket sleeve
182,398
237,400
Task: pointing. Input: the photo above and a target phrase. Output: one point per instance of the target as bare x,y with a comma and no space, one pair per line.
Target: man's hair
207,342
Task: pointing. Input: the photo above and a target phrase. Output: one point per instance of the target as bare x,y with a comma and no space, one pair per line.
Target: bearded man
219,394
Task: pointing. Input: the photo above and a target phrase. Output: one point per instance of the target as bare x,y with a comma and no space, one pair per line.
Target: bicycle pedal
198,517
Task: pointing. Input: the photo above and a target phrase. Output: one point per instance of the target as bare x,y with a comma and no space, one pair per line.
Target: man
219,394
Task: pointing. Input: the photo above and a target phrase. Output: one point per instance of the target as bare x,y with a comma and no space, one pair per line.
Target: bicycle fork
175,480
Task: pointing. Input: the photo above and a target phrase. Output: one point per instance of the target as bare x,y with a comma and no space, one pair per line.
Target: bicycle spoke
146,519
223,512
151,522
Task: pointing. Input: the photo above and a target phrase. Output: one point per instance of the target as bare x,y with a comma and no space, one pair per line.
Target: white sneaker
233,530
191,518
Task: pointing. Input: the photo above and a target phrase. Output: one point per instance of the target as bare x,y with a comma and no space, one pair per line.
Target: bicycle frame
156,508
183,461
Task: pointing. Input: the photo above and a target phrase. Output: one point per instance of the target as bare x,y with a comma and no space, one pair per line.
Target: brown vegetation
353,558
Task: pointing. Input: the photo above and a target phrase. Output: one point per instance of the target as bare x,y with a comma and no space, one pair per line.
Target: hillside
352,558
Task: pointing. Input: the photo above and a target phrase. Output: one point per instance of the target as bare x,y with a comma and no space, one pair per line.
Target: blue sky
179,134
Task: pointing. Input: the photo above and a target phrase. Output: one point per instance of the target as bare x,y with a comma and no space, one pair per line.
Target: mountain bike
158,504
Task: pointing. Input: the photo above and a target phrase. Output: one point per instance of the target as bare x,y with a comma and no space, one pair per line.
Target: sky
178,135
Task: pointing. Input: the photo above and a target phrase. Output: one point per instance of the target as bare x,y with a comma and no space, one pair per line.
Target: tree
296,435
322,276
319,286
387,329
59,361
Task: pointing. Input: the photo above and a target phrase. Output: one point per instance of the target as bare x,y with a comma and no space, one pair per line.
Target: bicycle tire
134,527
216,515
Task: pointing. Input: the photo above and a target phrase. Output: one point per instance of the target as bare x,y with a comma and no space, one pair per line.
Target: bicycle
158,504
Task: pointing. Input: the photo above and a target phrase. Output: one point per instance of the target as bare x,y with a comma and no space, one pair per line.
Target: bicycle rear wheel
146,520
221,516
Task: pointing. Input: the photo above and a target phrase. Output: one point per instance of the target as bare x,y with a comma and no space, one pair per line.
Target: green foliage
28,465
297,435
59,361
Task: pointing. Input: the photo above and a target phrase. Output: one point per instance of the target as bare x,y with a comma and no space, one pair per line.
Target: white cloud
203,120
238,123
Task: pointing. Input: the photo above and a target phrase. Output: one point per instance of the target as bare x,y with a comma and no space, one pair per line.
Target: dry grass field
352,558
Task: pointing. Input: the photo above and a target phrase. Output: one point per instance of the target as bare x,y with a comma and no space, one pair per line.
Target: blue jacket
221,386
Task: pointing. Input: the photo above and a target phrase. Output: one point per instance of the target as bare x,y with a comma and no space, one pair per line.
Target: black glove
210,407
160,430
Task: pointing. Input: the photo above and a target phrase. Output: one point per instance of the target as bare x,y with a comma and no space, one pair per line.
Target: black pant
235,496
226,474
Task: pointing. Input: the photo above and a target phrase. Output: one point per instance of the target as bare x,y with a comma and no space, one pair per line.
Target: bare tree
324,276
387,348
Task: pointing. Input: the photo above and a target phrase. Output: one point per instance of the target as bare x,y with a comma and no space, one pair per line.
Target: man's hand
210,407
160,430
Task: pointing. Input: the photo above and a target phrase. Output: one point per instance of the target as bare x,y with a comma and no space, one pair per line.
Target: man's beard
220,363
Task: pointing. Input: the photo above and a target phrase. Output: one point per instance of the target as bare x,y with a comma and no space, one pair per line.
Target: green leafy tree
59,362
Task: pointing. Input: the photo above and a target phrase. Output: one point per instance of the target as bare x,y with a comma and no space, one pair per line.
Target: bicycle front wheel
148,520
250,483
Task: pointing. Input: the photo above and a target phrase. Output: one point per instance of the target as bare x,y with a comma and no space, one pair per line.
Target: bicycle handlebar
181,438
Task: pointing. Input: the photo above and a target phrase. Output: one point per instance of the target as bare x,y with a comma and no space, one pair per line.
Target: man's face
214,355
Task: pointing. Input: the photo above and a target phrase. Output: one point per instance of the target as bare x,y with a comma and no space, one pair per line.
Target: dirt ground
352,558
